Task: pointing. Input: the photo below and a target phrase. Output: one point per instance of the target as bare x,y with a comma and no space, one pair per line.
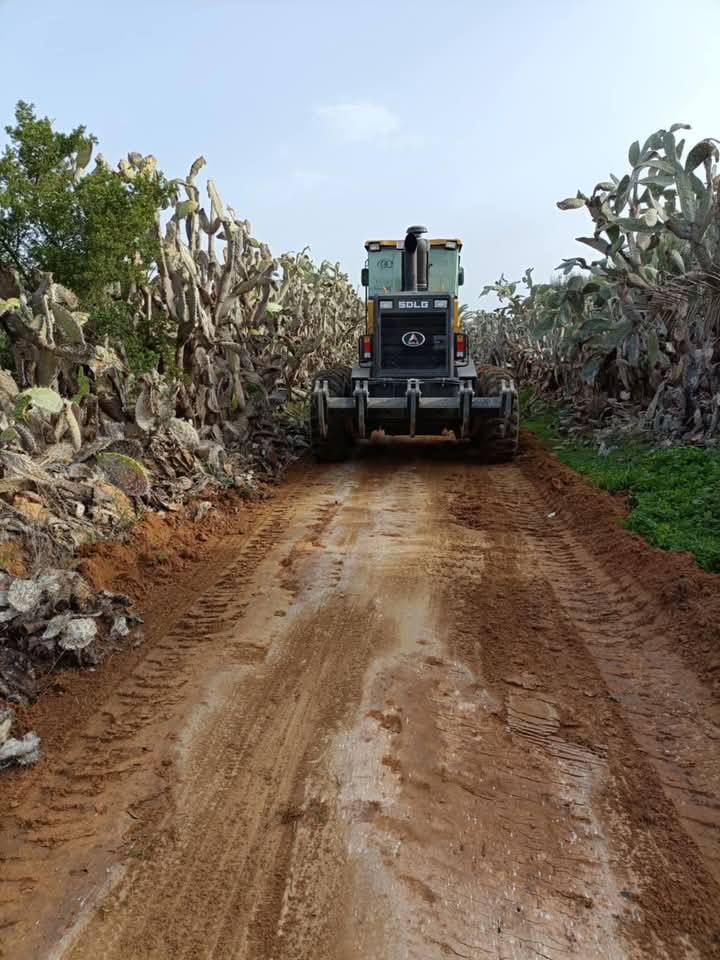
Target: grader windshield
438,266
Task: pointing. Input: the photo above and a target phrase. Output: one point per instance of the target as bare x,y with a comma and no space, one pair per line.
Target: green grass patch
673,494
544,426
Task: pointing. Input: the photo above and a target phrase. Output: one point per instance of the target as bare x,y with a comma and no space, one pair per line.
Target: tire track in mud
415,717
252,836
472,825
233,825
118,773
626,635
618,685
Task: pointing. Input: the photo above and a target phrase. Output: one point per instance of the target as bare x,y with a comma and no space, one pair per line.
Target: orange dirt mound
162,546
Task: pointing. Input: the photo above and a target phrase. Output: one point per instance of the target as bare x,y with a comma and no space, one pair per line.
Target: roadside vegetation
621,350
632,330
148,340
148,344
672,492
128,261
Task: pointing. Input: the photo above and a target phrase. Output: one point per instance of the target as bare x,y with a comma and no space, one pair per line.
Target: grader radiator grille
428,350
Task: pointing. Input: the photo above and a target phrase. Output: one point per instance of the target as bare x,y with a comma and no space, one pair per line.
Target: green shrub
672,493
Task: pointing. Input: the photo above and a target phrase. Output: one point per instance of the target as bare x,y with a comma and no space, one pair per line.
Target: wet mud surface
409,707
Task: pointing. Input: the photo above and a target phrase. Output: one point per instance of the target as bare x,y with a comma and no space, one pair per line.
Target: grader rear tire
338,443
495,439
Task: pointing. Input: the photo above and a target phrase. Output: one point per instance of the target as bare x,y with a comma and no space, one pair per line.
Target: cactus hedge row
638,322
245,325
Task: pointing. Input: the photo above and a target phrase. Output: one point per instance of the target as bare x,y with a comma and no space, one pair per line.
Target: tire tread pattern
338,443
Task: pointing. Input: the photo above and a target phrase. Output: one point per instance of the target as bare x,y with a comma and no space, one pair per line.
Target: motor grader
414,375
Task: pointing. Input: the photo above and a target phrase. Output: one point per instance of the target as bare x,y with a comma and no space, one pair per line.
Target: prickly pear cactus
24,595
184,432
125,473
78,634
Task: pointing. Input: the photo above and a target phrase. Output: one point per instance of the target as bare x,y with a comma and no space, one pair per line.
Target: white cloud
359,122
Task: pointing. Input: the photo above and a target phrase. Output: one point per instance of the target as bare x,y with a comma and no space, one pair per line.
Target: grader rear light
461,346
365,348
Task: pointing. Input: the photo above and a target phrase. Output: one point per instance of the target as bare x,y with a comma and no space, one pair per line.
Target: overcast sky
327,122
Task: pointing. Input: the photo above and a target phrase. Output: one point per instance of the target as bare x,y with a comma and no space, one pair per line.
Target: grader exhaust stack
415,254
414,375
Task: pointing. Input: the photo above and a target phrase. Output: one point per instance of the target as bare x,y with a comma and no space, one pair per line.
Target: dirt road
418,708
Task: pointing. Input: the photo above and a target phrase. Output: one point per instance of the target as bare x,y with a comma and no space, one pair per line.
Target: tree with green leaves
96,232
88,229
